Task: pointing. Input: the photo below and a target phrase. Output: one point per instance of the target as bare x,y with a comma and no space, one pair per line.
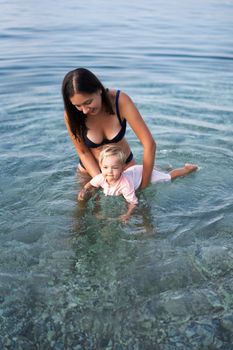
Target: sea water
76,278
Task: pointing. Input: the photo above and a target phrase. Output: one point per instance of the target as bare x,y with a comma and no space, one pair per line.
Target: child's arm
125,217
86,192
90,188
129,194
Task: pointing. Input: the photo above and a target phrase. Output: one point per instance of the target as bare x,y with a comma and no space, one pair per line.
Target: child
115,181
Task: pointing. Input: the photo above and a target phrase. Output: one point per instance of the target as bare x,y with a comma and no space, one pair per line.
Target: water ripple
164,280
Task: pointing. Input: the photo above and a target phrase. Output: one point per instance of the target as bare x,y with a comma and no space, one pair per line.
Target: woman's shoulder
113,93
123,97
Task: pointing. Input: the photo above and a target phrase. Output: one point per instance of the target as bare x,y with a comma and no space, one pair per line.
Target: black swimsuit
117,138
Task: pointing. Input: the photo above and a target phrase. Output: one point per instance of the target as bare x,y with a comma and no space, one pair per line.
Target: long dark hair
81,80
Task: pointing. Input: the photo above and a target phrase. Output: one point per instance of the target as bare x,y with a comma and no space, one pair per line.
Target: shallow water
77,279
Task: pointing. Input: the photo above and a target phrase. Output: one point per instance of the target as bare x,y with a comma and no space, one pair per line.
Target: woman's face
89,104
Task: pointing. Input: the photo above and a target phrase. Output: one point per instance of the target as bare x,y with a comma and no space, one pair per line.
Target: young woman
96,116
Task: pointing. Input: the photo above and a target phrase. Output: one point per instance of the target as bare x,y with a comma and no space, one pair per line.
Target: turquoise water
78,279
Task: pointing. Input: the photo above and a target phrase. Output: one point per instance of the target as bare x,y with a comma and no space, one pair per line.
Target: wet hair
112,150
82,81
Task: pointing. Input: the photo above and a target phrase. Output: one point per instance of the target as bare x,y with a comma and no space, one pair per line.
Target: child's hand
86,192
84,195
124,218
81,195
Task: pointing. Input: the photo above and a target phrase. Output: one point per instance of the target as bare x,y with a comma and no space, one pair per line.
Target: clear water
75,279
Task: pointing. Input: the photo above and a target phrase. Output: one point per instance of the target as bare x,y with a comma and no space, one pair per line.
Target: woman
96,116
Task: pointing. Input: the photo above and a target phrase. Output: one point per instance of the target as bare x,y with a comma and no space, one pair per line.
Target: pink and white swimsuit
128,183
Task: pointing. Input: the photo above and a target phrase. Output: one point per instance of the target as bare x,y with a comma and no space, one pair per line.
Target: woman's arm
129,111
87,158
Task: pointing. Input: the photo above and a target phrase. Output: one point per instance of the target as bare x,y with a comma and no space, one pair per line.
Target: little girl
116,181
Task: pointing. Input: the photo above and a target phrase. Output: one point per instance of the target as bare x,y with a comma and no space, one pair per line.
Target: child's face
111,168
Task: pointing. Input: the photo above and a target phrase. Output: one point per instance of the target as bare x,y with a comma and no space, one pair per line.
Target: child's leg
188,168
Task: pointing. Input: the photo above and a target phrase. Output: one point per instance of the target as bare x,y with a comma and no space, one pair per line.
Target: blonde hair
112,150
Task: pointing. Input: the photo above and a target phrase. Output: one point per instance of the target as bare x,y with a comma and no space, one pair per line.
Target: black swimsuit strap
117,108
